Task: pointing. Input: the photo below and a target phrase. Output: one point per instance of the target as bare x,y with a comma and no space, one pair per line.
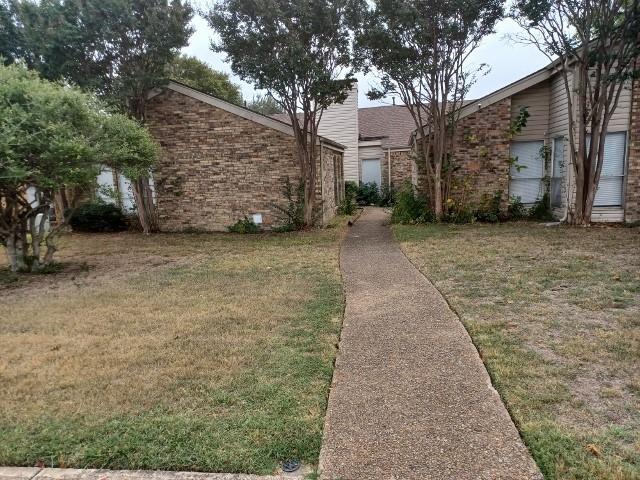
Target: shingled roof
393,123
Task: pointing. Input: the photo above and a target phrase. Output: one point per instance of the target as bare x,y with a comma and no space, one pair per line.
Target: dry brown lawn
192,352
555,313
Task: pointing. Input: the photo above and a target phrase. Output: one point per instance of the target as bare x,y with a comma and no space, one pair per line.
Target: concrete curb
34,473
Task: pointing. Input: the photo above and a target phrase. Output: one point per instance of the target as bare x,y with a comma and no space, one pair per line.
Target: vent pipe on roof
393,100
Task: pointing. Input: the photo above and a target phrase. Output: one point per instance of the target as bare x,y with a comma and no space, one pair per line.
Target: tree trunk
309,201
16,251
144,203
438,209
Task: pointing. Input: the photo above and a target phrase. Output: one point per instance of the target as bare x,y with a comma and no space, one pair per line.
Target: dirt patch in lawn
183,352
555,313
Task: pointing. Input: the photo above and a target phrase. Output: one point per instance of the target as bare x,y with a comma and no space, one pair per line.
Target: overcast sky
508,61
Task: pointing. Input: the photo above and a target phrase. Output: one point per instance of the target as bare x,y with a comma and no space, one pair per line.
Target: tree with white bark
53,139
596,44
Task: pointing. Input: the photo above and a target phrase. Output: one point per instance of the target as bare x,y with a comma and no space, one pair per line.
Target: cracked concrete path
410,397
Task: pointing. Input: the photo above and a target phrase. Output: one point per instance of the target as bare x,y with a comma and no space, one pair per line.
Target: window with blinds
557,171
527,172
610,188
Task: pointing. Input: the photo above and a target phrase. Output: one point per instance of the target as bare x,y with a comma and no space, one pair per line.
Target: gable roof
243,112
391,122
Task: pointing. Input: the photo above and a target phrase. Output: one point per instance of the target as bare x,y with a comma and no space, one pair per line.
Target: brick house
376,139
221,162
484,147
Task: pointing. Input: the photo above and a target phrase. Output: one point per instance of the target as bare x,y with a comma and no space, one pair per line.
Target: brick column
632,210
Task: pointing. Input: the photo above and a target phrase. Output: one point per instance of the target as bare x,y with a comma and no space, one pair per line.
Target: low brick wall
217,167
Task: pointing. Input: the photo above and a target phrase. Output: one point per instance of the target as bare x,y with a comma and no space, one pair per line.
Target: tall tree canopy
199,75
597,45
10,37
420,49
297,50
54,138
118,48
265,104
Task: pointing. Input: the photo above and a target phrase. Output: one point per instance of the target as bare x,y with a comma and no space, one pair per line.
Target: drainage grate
289,466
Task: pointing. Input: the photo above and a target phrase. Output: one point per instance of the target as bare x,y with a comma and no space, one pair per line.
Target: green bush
292,214
517,210
489,210
98,217
245,225
541,210
348,205
459,214
387,196
368,194
410,208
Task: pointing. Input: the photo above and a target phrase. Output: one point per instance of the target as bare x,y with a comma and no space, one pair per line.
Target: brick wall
481,153
401,164
632,210
216,167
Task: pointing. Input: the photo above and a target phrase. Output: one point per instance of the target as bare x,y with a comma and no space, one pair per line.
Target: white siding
536,99
339,123
620,119
558,113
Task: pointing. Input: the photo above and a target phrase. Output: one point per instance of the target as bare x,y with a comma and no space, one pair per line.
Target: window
557,173
527,171
609,193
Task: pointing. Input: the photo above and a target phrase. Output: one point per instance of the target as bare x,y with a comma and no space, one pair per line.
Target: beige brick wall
216,167
632,210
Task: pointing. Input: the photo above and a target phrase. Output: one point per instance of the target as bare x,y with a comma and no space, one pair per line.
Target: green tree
265,104
53,138
300,52
597,47
10,37
118,48
420,48
199,75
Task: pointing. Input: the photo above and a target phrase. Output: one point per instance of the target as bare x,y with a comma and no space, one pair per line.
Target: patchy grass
555,314
179,352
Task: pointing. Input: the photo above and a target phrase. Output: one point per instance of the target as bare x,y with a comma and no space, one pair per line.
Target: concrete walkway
410,398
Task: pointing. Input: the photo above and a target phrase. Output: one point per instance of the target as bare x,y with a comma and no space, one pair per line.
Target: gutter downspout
389,165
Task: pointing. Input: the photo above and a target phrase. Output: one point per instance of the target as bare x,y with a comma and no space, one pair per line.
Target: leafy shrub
541,210
409,208
387,196
368,194
517,210
245,225
348,205
292,214
98,217
489,209
459,213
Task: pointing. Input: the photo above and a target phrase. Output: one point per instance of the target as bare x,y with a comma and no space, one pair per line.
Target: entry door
371,171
